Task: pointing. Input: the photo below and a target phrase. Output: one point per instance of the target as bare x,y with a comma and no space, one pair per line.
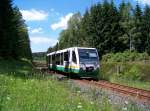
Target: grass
131,83
38,95
23,89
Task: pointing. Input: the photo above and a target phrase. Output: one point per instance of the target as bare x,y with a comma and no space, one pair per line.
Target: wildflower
8,98
78,91
115,103
124,108
126,102
79,103
79,106
92,102
109,100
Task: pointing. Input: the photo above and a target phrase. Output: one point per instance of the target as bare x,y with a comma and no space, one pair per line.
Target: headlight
97,65
82,66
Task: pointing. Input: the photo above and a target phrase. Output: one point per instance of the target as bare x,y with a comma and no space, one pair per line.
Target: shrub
133,74
125,56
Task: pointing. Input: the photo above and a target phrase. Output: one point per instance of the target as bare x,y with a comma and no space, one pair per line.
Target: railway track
140,94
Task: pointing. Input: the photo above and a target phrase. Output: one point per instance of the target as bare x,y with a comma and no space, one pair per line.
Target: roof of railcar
64,50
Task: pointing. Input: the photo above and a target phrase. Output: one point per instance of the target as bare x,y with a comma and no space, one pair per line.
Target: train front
89,63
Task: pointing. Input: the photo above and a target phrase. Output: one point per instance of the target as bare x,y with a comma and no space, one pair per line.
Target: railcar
78,61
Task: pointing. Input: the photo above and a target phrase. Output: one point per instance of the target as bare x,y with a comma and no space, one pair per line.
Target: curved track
137,93
126,90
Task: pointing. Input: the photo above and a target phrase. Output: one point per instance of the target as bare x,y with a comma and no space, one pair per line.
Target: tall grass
23,89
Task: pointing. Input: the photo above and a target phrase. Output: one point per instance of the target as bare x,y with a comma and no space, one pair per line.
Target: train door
73,61
66,61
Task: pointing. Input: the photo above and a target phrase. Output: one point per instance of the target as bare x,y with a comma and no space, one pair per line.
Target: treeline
109,29
39,55
14,38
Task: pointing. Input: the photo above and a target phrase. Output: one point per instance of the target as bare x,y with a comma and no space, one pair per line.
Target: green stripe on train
63,69
80,73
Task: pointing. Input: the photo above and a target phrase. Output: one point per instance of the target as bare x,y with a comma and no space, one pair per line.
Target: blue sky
47,18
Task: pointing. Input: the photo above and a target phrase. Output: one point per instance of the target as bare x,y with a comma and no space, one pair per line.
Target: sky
45,19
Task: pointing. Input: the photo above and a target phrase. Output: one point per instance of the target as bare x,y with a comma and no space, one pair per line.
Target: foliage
109,29
39,56
35,91
14,39
133,74
125,56
128,73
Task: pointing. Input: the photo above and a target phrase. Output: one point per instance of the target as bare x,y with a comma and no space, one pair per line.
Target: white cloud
34,15
37,30
39,40
62,23
28,28
144,1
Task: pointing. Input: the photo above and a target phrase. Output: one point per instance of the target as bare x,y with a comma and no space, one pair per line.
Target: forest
109,28
14,38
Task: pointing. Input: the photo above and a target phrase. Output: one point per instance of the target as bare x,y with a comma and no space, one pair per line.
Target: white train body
81,61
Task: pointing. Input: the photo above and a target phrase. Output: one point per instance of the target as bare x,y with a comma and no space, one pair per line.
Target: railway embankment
128,68
134,74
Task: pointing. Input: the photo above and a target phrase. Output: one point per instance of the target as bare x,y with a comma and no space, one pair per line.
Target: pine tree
126,23
138,38
146,27
14,39
6,28
84,29
22,38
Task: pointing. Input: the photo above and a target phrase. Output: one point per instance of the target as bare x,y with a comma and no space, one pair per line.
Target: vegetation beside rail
128,68
23,89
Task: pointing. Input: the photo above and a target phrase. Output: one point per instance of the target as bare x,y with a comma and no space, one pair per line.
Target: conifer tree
126,22
14,39
6,28
146,28
138,38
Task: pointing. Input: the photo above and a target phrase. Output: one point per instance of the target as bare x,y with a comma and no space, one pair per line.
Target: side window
58,59
62,58
50,59
74,59
66,56
53,59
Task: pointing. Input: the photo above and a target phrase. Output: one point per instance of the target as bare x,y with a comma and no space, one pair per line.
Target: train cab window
74,59
66,56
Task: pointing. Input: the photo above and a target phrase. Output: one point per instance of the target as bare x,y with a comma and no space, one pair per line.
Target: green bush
133,74
125,56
